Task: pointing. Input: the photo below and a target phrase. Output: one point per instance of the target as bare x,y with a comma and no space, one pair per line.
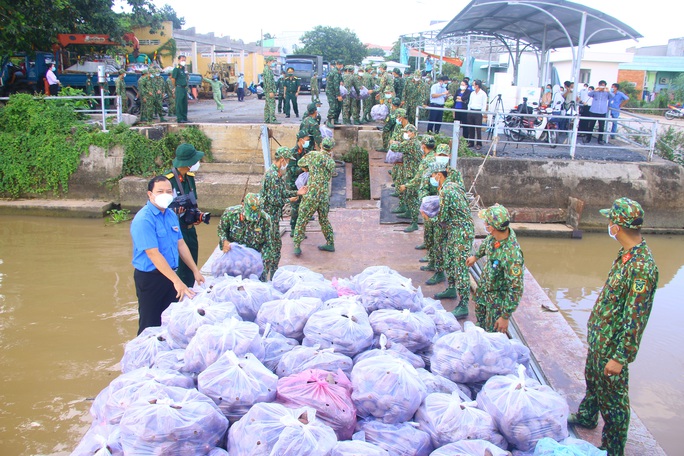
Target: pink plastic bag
328,393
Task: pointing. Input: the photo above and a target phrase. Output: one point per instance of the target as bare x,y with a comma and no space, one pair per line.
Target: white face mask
610,232
195,167
306,144
182,63
388,95
406,136
283,167
463,87
434,182
442,160
163,200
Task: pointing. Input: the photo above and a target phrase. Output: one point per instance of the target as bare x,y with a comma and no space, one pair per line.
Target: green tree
266,36
334,43
169,14
677,87
376,52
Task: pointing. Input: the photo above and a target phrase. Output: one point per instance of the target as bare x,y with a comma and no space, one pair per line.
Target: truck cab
304,67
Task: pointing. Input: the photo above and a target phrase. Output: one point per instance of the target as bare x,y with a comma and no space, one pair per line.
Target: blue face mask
441,160
306,144
547,90
434,182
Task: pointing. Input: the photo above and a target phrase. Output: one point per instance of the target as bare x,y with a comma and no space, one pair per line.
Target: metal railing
100,110
637,133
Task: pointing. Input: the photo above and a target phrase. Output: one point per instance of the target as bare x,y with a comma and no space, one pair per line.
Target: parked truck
25,72
304,67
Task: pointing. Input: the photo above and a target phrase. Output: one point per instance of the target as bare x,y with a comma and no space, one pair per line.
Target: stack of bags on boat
307,366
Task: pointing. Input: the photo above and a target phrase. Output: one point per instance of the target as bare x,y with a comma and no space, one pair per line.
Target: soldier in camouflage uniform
315,91
390,123
157,87
455,230
249,225
293,172
170,92
291,83
615,327
412,151
321,166
397,171
501,284
121,92
414,186
310,124
269,91
280,86
144,94
216,88
414,95
332,90
274,195
349,84
386,85
368,82
356,101
398,83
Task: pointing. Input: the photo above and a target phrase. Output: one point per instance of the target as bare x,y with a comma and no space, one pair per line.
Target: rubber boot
461,310
449,293
297,251
438,277
327,248
161,119
428,267
329,124
403,215
420,247
576,420
424,260
394,194
398,210
411,228
346,121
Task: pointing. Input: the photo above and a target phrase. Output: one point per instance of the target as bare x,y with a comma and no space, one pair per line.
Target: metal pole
266,147
118,108
580,52
455,138
102,106
573,137
654,132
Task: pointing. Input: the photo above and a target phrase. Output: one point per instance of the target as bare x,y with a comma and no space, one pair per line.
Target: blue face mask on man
434,182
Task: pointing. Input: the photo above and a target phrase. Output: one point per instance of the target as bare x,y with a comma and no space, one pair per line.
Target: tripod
497,119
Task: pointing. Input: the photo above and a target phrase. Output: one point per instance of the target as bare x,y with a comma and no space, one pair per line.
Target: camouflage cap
122,71
396,71
252,205
396,101
328,143
269,58
443,149
625,212
283,152
428,140
333,62
311,108
410,128
302,134
349,67
400,112
383,66
145,71
317,101
417,74
303,162
495,216
369,68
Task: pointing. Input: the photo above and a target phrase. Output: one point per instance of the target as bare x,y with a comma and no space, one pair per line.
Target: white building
595,66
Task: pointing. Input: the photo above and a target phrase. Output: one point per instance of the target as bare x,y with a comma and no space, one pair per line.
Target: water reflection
572,273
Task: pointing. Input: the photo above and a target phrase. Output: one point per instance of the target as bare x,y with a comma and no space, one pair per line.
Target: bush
670,145
358,157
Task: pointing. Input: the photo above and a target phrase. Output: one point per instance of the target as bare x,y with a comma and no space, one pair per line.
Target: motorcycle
519,127
674,112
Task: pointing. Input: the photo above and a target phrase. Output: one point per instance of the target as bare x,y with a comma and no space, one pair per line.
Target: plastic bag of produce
173,360
184,320
353,94
175,421
236,384
211,341
301,358
390,291
430,205
438,384
413,330
141,351
288,276
394,157
255,433
288,316
445,323
344,92
470,448
302,180
402,439
305,436
379,112
345,328
387,347
344,287
326,392
322,290
430,306
100,440
523,410
523,353
473,355
275,346
357,448
567,447
343,301
387,388
239,261
326,132
247,294
371,271
363,93
218,452
452,417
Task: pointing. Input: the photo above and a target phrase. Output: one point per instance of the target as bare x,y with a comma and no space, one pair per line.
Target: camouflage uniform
368,83
269,88
315,91
501,284
455,230
390,123
170,96
292,173
332,90
145,93
157,87
216,87
356,102
414,95
321,167
413,156
312,127
250,227
348,81
386,83
280,85
274,195
121,92
398,84
614,332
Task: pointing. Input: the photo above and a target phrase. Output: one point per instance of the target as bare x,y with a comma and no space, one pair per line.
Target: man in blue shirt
614,105
157,244
599,108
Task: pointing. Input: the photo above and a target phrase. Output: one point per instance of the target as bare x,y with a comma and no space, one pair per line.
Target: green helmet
328,143
496,216
625,212
283,152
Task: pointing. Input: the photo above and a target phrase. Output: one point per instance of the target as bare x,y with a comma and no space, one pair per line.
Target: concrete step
233,168
56,208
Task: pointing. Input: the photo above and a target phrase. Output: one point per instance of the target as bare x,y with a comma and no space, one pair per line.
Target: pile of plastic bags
238,261
301,365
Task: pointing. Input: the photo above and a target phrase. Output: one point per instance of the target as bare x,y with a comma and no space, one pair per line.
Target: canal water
68,306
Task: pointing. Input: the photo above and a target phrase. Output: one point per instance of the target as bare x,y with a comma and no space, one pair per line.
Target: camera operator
182,178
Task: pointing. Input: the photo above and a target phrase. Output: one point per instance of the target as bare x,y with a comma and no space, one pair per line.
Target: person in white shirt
52,80
476,104
438,94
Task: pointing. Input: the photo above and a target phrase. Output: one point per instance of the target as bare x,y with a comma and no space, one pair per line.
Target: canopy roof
527,20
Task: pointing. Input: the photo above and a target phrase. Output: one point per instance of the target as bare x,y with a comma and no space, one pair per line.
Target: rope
471,193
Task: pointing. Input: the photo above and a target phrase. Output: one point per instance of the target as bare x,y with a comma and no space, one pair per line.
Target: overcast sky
378,23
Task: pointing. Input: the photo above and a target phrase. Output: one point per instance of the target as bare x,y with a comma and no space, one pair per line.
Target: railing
635,132
101,109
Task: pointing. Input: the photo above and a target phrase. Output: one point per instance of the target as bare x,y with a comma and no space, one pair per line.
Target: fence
99,100
635,132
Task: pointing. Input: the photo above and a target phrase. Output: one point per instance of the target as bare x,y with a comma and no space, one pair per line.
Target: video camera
192,214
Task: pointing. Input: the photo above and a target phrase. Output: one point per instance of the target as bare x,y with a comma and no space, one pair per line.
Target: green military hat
410,128
397,71
302,134
496,216
317,101
396,101
186,155
252,205
443,149
311,108
625,212
284,152
369,68
269,58
428,140
122,71
145,71
328,143
349,67
333,62
400,112
417,74
383,66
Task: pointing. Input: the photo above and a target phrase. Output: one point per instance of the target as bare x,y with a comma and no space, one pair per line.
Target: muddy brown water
68,306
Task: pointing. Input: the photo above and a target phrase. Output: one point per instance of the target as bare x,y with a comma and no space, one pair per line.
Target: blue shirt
617,100
153,228
600,103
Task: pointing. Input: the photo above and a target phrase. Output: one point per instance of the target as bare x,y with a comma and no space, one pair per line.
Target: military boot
424,259
329,124
428,267
438,277
297,251
347,121
420,247
461,310
411,228
449,293
576,420
403,215
399,209
327,247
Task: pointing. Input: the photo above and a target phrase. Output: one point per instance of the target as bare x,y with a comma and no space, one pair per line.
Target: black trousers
54,90
591,123
184,272
155,292
475,136
435,116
